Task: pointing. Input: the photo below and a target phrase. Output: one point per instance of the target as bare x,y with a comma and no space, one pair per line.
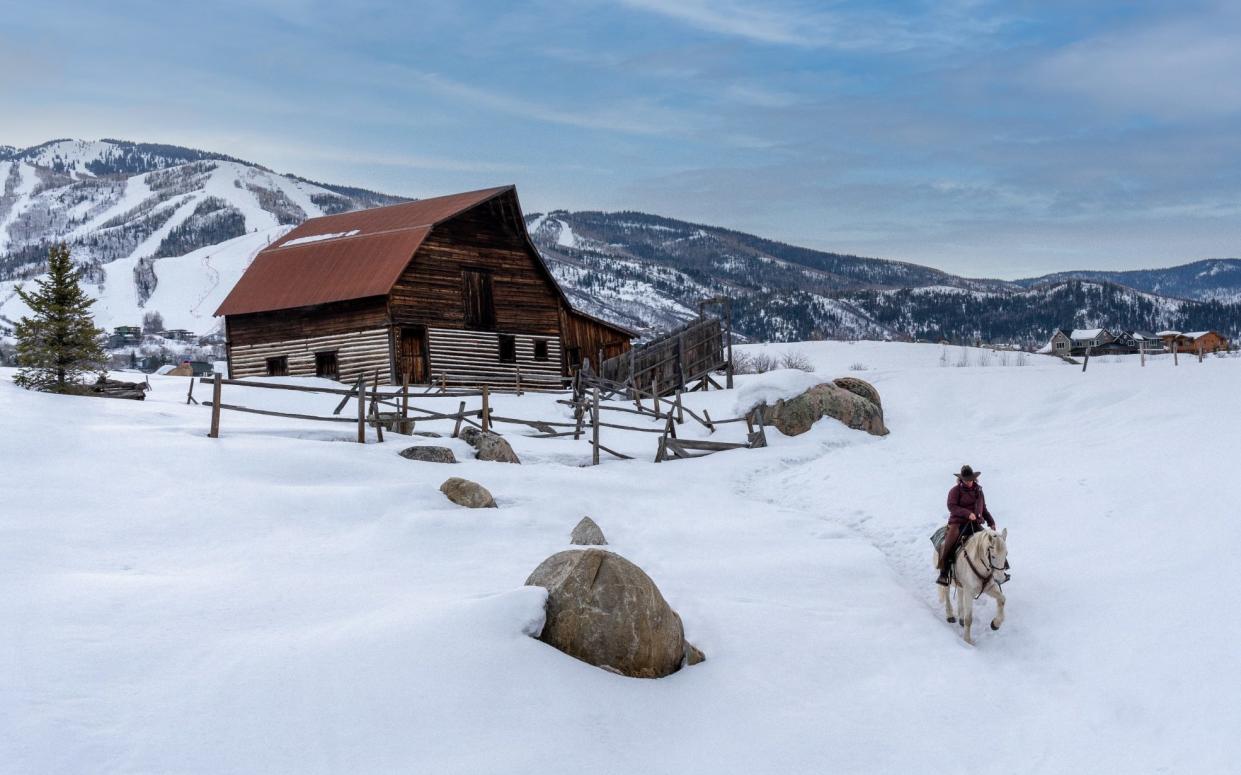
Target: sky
987,139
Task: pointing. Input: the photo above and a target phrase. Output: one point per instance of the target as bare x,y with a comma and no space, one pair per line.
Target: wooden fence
402,415
687,354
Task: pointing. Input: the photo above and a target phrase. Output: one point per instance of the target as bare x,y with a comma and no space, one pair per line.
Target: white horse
980,563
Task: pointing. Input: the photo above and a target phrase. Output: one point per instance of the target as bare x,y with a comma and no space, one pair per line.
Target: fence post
405,405
680,410
379,429
594,432
216,389
456,429
189,397
655,393
361,385
1175,349
1199,353
519,379
486,410
1085,360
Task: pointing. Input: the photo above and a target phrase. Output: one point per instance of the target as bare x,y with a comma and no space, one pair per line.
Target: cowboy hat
967,474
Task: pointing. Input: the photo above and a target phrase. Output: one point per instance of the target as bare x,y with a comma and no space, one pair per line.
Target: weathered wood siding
473,358
357,352
590,337
431,290
307,322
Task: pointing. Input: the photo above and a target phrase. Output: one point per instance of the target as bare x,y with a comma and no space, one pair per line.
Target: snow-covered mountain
649,271
170,229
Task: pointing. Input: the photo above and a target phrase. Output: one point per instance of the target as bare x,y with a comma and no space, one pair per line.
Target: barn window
326,365
574,354
540,349
480,308
508,348
278,367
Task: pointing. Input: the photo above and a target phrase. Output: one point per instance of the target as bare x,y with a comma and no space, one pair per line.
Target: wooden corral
447,290
667,364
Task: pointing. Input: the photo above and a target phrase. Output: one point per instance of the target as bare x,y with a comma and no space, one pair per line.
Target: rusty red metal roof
346,256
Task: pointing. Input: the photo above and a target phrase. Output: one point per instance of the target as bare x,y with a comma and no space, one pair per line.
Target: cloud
1177,70
946,24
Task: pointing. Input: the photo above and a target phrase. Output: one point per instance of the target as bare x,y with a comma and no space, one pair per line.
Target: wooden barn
449,288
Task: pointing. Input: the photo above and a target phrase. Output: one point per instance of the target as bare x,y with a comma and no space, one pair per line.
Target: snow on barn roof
1085,333
345,256
1198,334
1168,333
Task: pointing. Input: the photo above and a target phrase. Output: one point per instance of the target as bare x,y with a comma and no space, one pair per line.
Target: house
1202,341
179,335
1089,338
125,336
1061,343
1146,341
449,288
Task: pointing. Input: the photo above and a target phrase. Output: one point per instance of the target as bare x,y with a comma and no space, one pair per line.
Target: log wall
473,358
357,352
590,337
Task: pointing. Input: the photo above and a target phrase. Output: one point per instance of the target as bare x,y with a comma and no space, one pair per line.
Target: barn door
412,358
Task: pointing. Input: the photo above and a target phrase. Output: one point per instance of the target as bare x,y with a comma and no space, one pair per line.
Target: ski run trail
281,600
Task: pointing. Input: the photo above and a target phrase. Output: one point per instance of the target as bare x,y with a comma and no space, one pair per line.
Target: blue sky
997,139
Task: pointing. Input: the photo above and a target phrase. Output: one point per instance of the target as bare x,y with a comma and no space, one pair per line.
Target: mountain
171,229
647,270
1210,279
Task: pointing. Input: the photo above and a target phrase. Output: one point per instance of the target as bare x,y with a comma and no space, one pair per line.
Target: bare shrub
754,363
964,360
1021,359
943,355
859,366
793,359
985,358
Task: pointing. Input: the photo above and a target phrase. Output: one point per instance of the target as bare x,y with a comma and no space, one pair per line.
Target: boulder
427,434
463,492
604,610
587,533
797,415
693,655
489,446
859,387
429,454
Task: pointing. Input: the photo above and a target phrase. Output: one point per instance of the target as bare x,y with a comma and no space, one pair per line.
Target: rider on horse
966,506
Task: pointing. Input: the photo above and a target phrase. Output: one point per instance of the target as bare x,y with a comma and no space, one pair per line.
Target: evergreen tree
59,342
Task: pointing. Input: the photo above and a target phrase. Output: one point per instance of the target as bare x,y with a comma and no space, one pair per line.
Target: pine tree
59,342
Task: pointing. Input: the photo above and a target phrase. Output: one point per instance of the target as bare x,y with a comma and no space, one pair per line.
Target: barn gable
449,288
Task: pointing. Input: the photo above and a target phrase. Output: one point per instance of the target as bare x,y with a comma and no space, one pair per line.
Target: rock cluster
852,401
604,610
489,446
463,492
587,533
429,454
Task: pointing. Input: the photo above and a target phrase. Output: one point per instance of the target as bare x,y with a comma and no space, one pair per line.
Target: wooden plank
594,431
271,413
456,428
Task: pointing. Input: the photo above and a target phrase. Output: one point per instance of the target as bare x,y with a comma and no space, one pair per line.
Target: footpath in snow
283,600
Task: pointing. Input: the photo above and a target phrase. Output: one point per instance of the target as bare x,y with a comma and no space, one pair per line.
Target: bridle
989,578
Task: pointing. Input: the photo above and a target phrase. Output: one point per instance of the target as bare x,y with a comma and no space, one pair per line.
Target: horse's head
997,548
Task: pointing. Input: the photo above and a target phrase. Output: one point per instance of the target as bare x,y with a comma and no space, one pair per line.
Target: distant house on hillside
1201,341
1147,341
179,335
449,288
1061,343
125,336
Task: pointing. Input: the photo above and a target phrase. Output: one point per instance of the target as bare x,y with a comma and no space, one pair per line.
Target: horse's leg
965,602
945,597
998,594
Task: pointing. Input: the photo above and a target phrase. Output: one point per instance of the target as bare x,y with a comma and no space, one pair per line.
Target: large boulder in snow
587,533
797,415
429,454
604,610
463,492
859,387
489,446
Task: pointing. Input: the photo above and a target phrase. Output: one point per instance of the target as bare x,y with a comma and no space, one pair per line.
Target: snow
773,386
565,238
1085,333
189,289
282,600
320,237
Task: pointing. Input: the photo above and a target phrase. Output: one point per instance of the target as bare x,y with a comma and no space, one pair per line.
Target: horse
979,567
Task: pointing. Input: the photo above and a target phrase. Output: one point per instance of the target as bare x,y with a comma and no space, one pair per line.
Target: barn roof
345,256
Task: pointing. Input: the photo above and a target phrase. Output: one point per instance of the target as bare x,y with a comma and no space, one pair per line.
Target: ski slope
282,600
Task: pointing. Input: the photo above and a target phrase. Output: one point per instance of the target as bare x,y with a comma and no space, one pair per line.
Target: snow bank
283,600
773,386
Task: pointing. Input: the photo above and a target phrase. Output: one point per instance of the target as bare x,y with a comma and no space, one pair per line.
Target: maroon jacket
963,501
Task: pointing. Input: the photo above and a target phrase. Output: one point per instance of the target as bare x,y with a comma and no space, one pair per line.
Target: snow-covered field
282,600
